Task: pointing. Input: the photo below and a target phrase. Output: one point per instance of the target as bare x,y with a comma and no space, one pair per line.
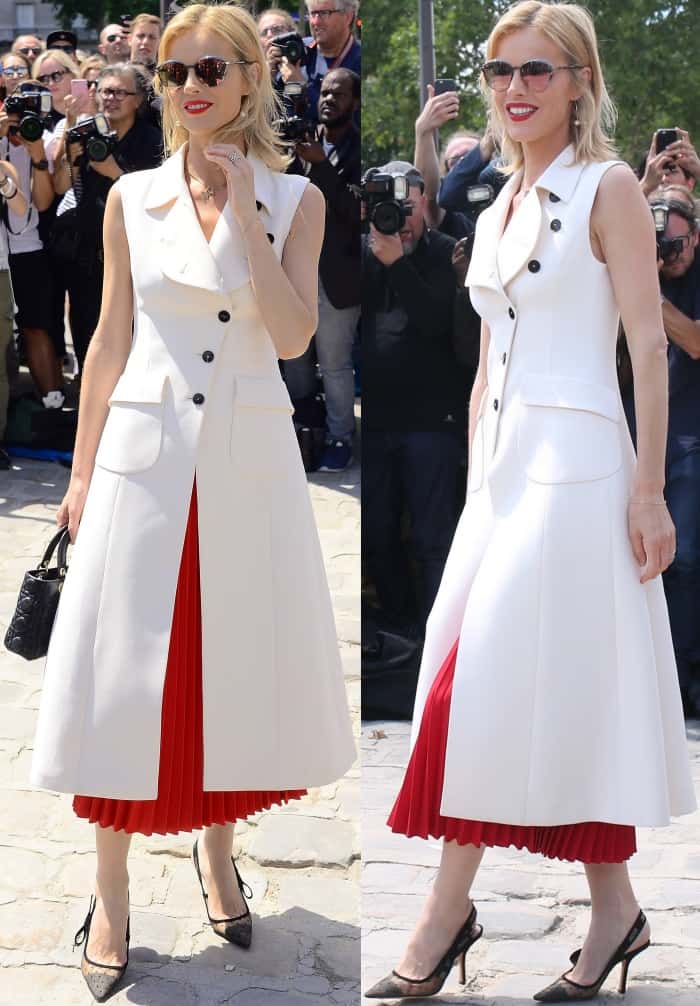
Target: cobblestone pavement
534,910
301,860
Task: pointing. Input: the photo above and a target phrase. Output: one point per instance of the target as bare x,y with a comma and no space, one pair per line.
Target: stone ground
534,910
302,860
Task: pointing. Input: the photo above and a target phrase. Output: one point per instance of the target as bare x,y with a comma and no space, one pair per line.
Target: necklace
209,190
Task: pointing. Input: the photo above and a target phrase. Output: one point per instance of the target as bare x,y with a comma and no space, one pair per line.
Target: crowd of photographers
420,351
72,122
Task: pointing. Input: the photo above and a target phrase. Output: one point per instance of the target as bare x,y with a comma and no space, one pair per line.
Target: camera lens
97,149
31,128
387,218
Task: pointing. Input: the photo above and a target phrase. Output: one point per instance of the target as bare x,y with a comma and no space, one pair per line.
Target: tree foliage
649,50
98,13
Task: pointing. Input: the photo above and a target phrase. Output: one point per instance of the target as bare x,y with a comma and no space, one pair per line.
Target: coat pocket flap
567,393
146,388
262,393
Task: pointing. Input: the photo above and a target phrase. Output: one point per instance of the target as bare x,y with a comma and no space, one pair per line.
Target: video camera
95,137
292,46
385,198
33,108
669,249
295,124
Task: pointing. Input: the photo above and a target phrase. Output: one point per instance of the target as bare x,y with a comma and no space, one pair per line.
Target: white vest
565,705
201,392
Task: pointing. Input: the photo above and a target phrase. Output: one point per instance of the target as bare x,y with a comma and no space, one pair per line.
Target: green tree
648,49
97,13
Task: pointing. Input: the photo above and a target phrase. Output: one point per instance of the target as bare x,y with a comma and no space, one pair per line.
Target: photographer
478,167
23,136
272,23
414,401
11,195
674,209
333,164
132,144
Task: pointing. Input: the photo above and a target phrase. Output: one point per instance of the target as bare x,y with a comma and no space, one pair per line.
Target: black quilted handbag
30,629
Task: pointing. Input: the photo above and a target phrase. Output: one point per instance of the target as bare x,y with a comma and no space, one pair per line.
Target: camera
95,137
33,108
479,197
668,249
385,198
294,124
292,46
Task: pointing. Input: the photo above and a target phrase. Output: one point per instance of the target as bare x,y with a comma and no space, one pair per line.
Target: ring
233,157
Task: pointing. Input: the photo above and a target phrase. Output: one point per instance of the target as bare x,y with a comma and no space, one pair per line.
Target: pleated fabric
416,811
181,804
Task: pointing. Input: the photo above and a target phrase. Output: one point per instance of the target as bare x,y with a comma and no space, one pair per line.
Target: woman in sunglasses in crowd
187,684
548,714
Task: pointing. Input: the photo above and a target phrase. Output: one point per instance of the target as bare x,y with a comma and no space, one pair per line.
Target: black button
495,404
198,399
555,225
533,265
258,204
207,356
224,316
511,312
554,198
503,358
270,238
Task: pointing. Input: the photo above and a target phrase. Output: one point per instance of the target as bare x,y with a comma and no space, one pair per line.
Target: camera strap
4,209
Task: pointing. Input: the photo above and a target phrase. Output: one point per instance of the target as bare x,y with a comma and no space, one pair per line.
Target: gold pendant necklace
209,190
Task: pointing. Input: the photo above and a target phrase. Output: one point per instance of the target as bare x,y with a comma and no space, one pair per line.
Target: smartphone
444,84
79,88
664,138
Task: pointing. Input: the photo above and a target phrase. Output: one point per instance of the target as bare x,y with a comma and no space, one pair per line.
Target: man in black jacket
413,404
334,165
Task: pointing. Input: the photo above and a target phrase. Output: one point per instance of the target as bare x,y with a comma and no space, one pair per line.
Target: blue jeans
332,347
682,578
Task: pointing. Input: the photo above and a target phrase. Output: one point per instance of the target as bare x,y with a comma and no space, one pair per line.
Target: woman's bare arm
287,294
105,361
622,230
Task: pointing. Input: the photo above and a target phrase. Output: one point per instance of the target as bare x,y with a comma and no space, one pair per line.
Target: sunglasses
30,48
210,70
15,71
114,92
51,78
115,38
535,73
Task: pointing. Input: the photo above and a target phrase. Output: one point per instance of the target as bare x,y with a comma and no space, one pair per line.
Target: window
24,16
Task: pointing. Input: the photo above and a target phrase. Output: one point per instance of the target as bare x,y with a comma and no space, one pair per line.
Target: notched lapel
520,237
483,266
185,256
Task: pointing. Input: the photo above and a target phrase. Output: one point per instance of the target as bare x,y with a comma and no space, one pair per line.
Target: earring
577,121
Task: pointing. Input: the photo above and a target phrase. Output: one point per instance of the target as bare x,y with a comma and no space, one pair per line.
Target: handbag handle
62,539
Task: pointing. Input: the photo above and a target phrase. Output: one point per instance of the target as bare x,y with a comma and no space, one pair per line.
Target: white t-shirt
23,229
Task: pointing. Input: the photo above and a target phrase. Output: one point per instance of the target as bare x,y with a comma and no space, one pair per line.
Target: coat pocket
262,432
133,433
568,430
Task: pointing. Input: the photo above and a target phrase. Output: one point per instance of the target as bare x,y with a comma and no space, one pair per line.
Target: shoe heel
461,960
622,986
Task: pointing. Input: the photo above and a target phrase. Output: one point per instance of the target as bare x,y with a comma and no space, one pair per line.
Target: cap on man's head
61,36
409,171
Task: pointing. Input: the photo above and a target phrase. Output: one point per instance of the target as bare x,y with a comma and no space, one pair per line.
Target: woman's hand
71,508
438,110
78,105
240,180
653,537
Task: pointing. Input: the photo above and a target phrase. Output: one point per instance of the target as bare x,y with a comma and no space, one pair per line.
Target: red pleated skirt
181,804
417,808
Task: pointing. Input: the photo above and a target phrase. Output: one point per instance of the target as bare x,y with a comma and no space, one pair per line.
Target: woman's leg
614,908
107,943
44,365
445,911
214,848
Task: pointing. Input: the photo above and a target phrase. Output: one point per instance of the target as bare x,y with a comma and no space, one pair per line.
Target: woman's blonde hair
258,108
60,56
571,27
92,63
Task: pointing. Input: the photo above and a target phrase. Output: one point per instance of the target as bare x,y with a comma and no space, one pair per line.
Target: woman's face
531,115
59,87
118,98
201,108
14,71
269,26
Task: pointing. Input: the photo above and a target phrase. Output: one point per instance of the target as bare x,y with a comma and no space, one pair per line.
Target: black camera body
292,46
33,108
95,137
385,198
295,125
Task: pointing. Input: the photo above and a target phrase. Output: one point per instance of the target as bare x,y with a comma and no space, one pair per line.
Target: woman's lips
197,107
519,111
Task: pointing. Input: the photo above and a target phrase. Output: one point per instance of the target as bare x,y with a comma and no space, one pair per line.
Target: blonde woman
548,713
193,675
55,69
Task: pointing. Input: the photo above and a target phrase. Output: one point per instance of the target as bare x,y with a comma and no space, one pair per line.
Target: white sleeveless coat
565,704
201,394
